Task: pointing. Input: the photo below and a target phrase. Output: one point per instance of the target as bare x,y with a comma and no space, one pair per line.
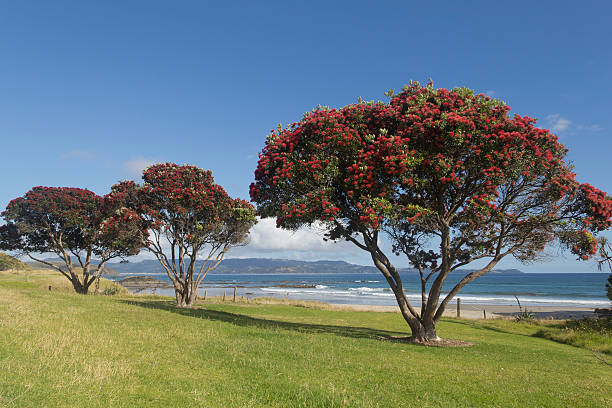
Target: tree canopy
71,223
189,217
449,175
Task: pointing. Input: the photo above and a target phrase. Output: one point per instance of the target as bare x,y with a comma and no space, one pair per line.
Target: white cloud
490,92
590,128
305,244
136,165
265,236
557,122
79,154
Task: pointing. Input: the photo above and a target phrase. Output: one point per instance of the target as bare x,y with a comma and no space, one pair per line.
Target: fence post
458,307
234,294
224,296
204,294
484,312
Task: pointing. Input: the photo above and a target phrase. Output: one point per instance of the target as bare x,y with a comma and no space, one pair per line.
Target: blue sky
90,92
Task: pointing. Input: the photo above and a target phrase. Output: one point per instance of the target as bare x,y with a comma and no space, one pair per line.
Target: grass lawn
59,349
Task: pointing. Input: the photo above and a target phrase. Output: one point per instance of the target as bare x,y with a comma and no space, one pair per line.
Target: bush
593,334
110,291
602,325
524,316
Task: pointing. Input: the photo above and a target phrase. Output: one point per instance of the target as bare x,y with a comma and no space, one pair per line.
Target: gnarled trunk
423,331
422,325
185,294
78,286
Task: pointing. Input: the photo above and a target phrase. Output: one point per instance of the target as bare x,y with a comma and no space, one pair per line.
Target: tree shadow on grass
248,321
483,326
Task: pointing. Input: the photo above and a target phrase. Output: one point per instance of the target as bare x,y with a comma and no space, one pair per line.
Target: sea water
532,289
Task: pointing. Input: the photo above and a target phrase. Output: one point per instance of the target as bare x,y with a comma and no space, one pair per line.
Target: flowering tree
71,222
187,215
448,175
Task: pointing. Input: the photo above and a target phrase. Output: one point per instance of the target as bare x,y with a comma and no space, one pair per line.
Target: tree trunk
192,298
423,328
185,296
184,301
179,297
425,333
422,331
78,286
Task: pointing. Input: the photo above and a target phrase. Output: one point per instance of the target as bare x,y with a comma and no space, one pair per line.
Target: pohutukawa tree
448,175
74,224
189,217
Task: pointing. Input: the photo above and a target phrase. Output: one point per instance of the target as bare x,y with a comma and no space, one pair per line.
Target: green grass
59,349
592,334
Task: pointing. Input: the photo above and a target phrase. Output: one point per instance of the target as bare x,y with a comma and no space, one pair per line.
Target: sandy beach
474,311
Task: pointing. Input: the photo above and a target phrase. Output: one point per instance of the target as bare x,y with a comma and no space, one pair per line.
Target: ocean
532,289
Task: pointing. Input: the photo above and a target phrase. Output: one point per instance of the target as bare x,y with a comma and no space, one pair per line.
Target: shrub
111,291
525,315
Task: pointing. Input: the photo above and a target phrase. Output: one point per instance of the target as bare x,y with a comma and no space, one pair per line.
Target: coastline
475,311
468,311
285,293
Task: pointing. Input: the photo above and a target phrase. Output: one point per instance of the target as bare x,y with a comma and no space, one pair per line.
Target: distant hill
8,262
56,261
266,265
254,265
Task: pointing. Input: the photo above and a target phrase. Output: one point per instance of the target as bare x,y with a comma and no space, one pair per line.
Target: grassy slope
8,262
62,349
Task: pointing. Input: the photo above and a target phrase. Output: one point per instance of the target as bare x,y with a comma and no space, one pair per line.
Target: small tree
71,222
447,174
187,215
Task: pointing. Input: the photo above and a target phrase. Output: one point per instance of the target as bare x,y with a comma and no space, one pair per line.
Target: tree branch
58,268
